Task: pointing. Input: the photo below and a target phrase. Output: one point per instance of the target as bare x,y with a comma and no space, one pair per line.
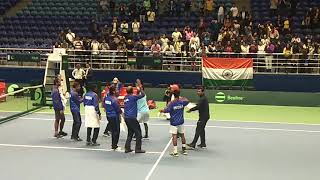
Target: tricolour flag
227,71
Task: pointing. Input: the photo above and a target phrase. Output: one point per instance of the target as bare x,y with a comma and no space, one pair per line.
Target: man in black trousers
204,115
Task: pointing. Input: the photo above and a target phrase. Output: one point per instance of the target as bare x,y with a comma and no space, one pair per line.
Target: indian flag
227,71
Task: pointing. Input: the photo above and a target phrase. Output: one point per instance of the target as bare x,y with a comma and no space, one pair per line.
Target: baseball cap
175,87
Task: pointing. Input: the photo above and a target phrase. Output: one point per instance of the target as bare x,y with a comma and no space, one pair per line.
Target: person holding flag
176,110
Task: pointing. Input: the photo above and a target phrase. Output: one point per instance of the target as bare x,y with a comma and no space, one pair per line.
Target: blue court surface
236,151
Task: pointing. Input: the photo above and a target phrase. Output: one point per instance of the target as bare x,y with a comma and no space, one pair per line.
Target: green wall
246,97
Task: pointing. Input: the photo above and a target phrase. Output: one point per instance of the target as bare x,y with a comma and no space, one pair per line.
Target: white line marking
64,148
221,127
158,160
236,121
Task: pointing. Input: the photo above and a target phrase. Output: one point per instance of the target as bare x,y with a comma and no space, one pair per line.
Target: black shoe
146,137
77,139
58,136
88,143
95,144
106,134
63,133
190,146
203,146
140,151
128,150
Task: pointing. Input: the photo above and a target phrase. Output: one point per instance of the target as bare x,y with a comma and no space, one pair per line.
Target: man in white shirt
95,47
234,11
221,14
70,37
78,74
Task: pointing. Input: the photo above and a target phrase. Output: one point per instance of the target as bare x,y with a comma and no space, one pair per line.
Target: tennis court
236,150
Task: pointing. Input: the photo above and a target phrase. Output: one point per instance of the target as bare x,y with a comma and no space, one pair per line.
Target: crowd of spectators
218,30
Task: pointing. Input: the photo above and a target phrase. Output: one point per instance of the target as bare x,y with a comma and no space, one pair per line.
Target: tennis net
21,101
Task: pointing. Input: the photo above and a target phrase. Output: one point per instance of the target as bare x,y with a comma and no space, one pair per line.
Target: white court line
158,160
229,120
64,148
220,127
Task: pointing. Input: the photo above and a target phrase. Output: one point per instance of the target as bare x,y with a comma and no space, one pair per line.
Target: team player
113,111
75,101
176,109
92,115
143,110
130,116
58,110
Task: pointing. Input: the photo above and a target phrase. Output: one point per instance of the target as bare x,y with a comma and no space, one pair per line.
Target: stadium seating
39,24
261,14
6,4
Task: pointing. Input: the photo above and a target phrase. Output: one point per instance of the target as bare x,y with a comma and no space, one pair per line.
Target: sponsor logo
222,97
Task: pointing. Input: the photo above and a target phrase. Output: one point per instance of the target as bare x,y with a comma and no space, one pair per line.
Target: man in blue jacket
130,116
58,110
92,115
113,111
75,101
176,110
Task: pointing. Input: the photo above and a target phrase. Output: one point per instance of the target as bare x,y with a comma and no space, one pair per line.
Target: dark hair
176,94
75,84
201,88
92,87
56,81
112,90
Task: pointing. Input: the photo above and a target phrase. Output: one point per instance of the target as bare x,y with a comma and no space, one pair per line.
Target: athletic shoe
58,136
174,154
88,143
202,146
106,134
140,151
184,151
117,148
190,147
128,150
63,133
78,139
95,144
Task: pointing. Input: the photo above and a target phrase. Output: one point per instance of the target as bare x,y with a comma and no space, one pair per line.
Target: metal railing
108,59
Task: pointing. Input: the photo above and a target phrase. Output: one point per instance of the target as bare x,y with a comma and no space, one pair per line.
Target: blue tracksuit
91,99
111,106
75,101
176,110
56,99
130,105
